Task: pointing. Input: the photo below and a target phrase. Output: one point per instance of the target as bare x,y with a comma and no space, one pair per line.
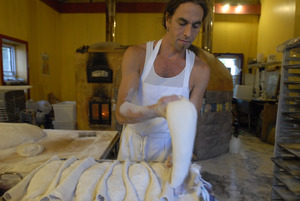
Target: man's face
185,24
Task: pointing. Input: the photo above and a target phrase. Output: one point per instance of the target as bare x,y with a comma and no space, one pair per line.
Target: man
156,73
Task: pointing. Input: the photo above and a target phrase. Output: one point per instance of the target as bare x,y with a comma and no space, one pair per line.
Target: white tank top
152,87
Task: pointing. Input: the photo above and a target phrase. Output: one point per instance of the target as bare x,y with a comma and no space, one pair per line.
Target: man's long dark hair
174,4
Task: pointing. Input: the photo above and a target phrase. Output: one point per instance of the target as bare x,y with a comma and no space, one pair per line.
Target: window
8,57
233,63
13,61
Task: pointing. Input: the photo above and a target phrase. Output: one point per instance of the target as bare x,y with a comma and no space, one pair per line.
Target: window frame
240,57
7,40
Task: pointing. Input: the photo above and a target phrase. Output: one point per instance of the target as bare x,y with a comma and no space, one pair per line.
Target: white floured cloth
115,181
131,192
66,188
102,185
150,140
18,191
88,181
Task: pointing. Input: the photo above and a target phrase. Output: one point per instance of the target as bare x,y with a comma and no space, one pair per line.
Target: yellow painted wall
276,25
76,30
135,28
297,20
235,34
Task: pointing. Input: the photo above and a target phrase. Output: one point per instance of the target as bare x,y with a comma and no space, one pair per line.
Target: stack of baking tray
11,104
289,174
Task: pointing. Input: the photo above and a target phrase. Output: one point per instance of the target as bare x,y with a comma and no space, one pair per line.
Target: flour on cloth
131,194
101,192
57,177
115,185
67,186
86,187
18,191
42,179
154,188
182,122
139,177
86,180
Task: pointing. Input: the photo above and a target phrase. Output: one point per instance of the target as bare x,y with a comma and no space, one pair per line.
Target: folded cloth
42,179
66,188
57,177
167,191
139,177
131,194
86,188
102,186
154,189
18,191
115,185
192,189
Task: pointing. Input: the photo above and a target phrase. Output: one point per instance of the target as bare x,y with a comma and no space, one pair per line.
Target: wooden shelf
263,64
15,87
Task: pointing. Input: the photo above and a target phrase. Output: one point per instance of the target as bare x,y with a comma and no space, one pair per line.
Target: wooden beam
138,7
53,4
100,7
97,7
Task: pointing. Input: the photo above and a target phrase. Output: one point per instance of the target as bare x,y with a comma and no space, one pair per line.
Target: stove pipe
208,27
110,20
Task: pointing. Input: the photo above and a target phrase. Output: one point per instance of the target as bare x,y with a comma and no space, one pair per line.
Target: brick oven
98,76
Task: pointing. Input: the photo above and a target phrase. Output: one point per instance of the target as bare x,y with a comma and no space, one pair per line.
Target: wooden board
291,165
292,183
293,148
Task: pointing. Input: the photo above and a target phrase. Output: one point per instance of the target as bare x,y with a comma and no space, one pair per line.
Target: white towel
86,187
154,189
18,191
131,194
102,185
66,188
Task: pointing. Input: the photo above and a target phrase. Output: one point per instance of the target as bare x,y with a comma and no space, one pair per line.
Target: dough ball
29,149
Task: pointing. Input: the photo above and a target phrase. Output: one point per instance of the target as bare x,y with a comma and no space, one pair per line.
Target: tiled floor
245,176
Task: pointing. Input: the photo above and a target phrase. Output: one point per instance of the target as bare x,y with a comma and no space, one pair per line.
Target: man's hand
162,103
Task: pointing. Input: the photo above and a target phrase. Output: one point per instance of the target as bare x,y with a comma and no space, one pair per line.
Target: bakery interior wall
59,35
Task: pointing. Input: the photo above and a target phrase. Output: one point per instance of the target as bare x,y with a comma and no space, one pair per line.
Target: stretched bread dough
182,122
115,184
29,149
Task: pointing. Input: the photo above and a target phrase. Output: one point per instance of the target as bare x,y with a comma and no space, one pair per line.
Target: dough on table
14,134
182,122
29,149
